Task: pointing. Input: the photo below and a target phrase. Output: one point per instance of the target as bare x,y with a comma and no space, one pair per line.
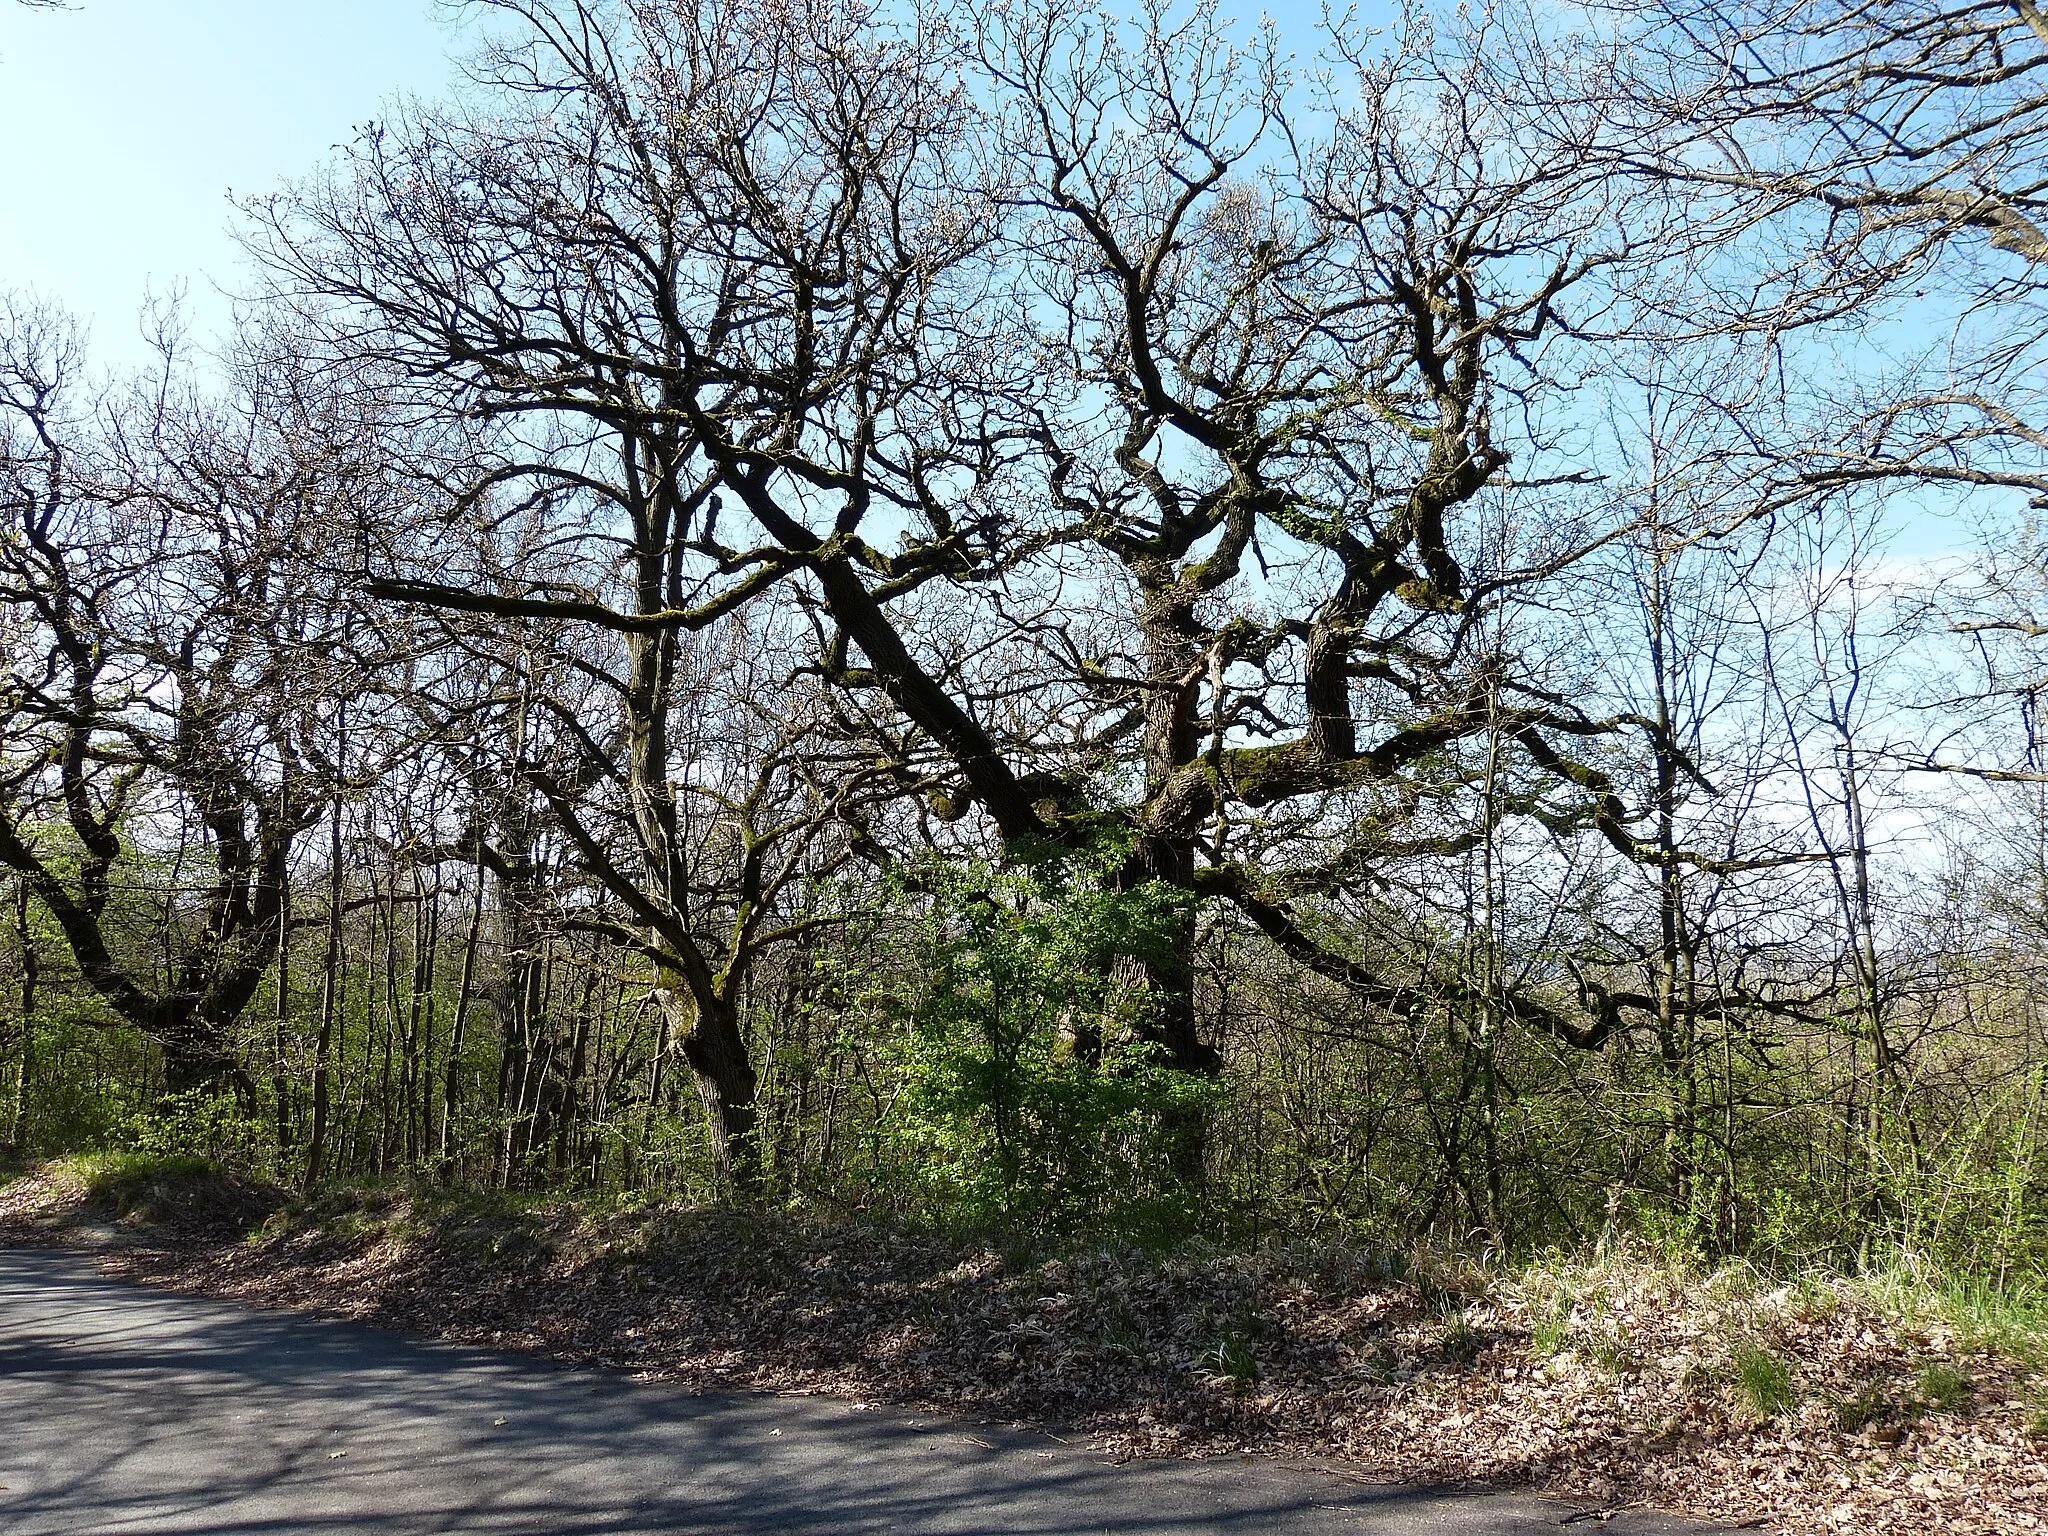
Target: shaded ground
1619,1388
133,1410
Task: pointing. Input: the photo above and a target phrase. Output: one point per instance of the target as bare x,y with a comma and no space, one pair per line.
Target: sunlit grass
1763,1378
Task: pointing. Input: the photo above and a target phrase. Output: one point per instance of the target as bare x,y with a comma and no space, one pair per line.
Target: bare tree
167,663
1014,386
676,180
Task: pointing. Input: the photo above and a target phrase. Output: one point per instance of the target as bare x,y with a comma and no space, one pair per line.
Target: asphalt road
127,1410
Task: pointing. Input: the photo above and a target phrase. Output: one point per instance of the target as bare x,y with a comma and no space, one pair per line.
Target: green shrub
198,1124
1031,1093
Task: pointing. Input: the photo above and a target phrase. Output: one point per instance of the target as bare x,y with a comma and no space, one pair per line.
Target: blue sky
127,123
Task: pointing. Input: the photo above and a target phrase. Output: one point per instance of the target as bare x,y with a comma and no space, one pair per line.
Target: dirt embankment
1803,1408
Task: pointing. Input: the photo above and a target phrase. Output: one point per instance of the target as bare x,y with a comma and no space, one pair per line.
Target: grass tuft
1460,1342
1552,1331
1869,1406
1942,1387
1233,1363
1762,1378
2009,1315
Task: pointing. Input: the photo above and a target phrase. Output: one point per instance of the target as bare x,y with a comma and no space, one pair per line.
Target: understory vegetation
956,1049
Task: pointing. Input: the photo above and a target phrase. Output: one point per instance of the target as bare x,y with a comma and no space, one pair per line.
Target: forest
1009,617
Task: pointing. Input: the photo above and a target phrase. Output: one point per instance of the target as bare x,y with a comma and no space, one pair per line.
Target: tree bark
714,1045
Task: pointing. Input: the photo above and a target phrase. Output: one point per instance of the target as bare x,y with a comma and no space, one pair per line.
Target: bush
198,1124
1031,1091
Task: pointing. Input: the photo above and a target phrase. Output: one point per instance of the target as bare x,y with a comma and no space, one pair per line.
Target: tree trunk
716,1050
31,973
451,1089
1171,743
330,1005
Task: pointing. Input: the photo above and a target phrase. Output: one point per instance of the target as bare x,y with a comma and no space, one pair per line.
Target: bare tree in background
167,658
1887,163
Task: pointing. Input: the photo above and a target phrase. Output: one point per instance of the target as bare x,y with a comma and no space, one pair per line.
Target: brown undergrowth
1829,1405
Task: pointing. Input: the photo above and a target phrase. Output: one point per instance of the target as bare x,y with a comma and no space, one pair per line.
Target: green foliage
1030,1091
198,1124
1553,1328
969,1045
115,1177
79,1082
175,1188
1231,1360
2008,1313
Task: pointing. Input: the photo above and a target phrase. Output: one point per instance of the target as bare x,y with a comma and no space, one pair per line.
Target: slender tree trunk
419,1031
31,973
1861,902
330,1003
451,1095
280,1068
568,1118
384,909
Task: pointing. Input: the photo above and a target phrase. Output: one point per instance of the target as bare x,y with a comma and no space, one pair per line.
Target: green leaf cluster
1033,1090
